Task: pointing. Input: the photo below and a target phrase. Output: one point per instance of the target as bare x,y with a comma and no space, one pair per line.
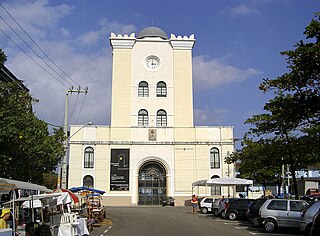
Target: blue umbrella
77,189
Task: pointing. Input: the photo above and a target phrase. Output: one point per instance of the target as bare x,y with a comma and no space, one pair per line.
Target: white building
152,148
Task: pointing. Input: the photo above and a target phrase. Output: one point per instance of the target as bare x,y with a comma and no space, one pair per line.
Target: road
171,221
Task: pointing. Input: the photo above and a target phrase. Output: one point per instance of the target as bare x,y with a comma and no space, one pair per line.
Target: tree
27,150
291,124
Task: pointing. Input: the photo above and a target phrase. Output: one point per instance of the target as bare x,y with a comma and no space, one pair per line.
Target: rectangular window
215,190
143,92
88,160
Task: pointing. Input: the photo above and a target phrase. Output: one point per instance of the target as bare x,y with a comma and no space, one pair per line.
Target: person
5,215
194,202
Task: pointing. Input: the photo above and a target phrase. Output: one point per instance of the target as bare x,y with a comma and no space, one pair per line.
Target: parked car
205,205
215,206
168,201
281,213
307,216
224,205
315,228
253,211
237,208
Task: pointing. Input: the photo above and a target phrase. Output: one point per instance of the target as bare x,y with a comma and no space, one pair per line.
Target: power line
33,59
37,45
34,51
81,108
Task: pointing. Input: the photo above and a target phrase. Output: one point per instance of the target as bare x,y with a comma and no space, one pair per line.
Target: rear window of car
277,205
297,205
209,200
258,203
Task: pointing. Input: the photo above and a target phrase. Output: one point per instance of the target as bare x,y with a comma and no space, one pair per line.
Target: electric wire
34,51
81,108
33,59
37,44
74,106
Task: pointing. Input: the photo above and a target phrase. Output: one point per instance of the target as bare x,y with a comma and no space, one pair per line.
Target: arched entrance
152,183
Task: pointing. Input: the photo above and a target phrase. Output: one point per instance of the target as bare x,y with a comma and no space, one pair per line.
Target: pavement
102,228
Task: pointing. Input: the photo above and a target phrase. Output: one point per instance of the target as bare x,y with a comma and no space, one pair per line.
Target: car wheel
172,204
204,210
216,212
223,214
255,222
308,230
270,225
232,215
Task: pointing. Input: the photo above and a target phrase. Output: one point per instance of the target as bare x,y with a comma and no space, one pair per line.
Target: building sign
119,170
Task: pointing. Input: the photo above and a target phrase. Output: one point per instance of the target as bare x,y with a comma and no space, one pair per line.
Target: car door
294,209
278,209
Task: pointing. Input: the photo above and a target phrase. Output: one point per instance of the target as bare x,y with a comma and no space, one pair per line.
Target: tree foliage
289,130
27,150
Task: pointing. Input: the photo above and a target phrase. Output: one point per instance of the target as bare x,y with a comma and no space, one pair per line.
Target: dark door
152,184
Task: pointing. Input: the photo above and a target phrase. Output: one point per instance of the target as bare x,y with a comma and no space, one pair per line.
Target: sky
238,44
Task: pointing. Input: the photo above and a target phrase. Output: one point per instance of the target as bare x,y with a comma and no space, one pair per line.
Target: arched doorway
152,183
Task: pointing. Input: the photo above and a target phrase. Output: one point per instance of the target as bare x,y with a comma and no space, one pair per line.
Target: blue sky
238,43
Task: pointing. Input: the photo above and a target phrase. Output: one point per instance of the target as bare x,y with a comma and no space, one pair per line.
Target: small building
152,148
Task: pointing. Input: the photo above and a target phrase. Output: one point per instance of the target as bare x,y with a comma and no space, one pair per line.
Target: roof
7,76
152,32
227,181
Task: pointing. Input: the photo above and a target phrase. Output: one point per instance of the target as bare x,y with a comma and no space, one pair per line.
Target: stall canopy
72,195
227,181
9,184
77,189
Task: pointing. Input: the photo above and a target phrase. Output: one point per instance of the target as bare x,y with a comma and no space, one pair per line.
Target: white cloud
209,116
240,10
211,73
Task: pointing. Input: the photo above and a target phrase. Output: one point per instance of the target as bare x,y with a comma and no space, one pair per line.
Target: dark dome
152,32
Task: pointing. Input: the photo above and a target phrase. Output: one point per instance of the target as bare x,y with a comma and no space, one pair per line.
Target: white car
206,204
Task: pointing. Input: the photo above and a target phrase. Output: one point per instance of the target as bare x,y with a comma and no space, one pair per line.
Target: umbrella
77,189
72,195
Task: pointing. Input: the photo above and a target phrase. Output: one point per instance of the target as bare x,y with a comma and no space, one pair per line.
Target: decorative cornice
122,41
180,42
150,143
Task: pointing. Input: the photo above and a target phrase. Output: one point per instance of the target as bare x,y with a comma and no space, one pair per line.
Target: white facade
152,148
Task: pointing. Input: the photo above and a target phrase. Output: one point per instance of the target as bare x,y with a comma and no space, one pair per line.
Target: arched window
214,158
161,89
89,157
88,181
142,118
215,190
143,90
161,118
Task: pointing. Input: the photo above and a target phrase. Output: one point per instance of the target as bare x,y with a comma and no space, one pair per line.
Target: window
88,181
161,118
88,157
277,205
297,205
215,190
214,158
143,90
142,118
161,89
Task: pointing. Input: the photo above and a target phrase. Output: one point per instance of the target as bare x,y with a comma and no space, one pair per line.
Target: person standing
5,215
194,202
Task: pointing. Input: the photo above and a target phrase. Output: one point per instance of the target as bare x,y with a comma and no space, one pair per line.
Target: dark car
253,211
237,208
315,228
168,201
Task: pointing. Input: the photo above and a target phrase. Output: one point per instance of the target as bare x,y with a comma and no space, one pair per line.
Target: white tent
226,181
9,184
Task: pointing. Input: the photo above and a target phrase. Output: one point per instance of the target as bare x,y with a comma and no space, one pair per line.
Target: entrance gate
152,184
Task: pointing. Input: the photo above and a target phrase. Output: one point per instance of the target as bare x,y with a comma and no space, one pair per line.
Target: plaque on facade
119,170
152,135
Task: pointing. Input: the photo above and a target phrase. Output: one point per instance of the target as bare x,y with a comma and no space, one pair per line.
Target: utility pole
62,173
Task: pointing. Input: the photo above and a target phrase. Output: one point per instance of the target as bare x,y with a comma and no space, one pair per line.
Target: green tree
3,57
290,128
27,150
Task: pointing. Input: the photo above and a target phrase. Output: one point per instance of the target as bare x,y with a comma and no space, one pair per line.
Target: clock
152,63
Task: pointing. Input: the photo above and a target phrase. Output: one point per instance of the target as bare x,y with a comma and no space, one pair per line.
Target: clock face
152,62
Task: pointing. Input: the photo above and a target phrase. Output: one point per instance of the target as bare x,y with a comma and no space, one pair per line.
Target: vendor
5,215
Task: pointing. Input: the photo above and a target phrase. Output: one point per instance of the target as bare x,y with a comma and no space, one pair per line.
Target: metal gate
152,184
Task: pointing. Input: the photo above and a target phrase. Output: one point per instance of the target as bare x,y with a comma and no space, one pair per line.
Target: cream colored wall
121,90
141,50
183,101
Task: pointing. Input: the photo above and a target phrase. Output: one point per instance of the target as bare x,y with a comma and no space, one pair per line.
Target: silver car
281,213
307,216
